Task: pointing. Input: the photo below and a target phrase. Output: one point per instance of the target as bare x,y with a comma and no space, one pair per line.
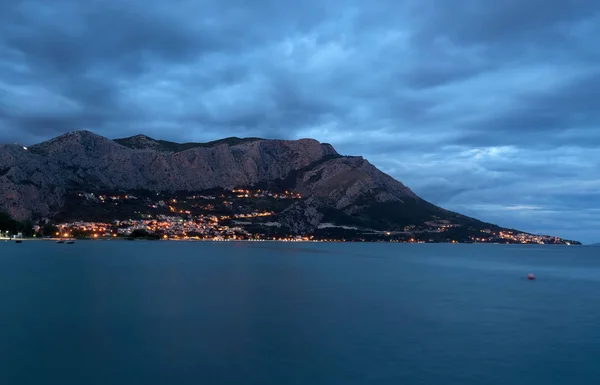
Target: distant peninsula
84,185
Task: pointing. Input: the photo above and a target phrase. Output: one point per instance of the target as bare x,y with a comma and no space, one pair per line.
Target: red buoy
530,277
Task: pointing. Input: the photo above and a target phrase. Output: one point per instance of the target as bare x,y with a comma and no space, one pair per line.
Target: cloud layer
488,108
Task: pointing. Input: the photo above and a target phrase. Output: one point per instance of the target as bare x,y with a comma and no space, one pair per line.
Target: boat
61,241
69,242
18,241
530,277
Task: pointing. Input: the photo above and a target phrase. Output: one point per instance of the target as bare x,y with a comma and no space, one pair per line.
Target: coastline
121,239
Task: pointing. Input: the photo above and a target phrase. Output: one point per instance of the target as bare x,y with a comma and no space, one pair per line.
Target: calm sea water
272,313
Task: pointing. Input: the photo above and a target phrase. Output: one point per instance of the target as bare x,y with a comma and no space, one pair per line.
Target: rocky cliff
92,160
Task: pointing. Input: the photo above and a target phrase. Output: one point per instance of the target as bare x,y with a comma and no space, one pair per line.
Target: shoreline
264,240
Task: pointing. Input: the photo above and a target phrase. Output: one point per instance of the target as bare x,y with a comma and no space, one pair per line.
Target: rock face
343,181
28,184
94,160
348,185
303,216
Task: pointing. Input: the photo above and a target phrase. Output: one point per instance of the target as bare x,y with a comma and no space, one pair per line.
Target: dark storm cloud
502,21
488,107
562,114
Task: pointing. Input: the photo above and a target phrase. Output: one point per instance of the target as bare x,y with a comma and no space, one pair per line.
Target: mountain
338,192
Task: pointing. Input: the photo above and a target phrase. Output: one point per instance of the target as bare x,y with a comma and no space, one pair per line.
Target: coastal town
221,217
237,214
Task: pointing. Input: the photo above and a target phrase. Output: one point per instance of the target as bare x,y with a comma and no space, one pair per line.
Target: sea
177,313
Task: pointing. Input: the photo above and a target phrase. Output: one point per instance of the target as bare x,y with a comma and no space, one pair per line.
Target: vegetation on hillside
164,145
7,223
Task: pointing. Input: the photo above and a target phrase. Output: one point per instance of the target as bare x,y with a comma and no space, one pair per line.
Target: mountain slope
338,190
351,191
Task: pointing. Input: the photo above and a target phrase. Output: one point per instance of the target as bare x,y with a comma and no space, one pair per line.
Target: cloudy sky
490,108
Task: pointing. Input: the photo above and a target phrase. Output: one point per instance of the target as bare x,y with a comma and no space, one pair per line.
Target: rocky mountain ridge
342,190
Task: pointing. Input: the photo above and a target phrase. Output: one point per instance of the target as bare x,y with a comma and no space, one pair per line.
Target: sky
489,108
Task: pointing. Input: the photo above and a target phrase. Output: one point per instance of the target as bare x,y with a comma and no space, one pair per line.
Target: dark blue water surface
272,313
